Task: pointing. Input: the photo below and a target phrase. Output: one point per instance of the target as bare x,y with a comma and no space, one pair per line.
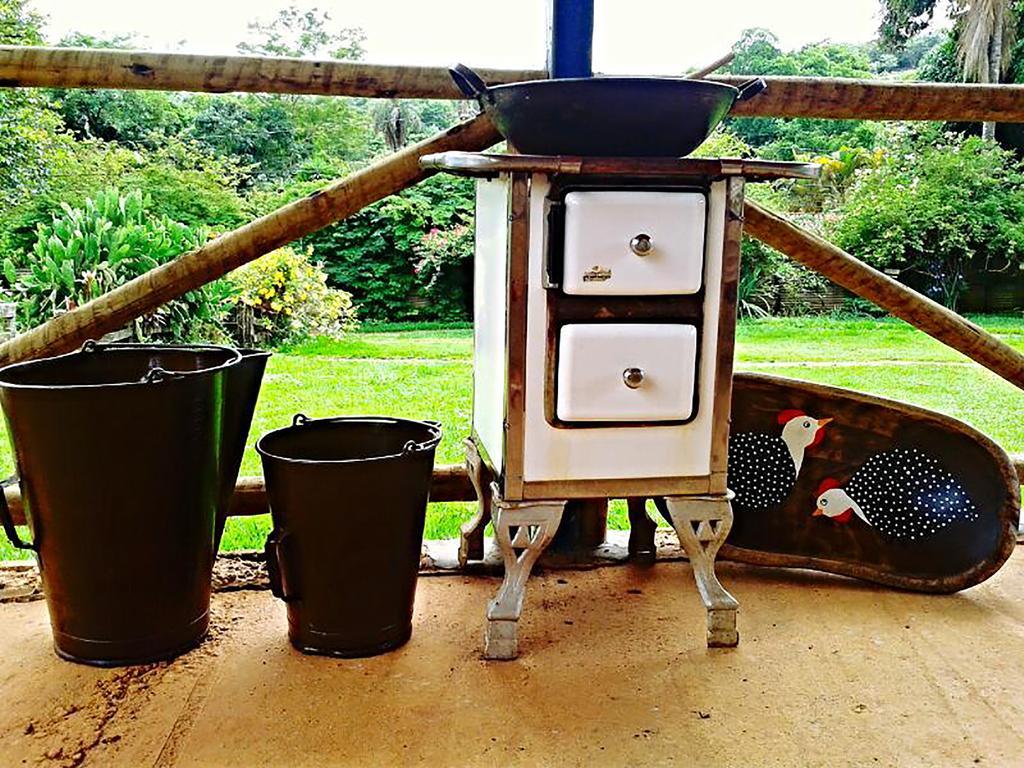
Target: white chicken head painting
903,494
764,467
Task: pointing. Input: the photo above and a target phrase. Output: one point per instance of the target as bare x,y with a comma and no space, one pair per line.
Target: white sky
631,36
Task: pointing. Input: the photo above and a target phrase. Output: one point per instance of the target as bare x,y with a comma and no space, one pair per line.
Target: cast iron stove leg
522,530
471,534
702,523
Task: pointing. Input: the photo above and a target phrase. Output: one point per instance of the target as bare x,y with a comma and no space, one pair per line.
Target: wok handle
8,520
279,586
469,82
751,88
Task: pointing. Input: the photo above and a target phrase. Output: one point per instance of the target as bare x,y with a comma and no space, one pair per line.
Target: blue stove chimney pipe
571,38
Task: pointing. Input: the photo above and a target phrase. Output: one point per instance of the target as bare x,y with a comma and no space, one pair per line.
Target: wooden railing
839,99
786,97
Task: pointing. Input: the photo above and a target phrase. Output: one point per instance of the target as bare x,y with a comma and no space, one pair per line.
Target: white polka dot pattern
907,494
761,470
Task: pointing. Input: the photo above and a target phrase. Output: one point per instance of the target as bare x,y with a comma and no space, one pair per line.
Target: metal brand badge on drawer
597,274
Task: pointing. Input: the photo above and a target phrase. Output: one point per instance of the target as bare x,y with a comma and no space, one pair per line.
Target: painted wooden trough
848,483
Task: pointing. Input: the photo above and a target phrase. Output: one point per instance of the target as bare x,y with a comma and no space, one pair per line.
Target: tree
299,33
395,120
135,118
938,209
30,130
986,32
18,25
326,133
257,133
758,52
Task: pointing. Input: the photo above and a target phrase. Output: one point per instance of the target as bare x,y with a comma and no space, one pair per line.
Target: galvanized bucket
348,497
124,454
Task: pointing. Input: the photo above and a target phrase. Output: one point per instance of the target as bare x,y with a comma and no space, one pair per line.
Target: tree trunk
995,62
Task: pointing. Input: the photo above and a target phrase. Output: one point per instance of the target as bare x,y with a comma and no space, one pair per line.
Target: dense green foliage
375,253
284,298
85,252
758,53
211,162
936,210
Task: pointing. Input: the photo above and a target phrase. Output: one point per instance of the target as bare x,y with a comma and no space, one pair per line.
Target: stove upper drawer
623,372
633,243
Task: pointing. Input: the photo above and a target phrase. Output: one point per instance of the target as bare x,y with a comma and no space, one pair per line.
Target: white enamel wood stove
605,311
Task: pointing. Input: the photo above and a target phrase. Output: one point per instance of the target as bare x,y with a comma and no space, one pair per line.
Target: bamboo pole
22,67
145,293
449,483
868,283
831,98
847,99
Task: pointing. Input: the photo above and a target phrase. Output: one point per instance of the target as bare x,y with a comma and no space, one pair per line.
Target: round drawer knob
641,245
633,377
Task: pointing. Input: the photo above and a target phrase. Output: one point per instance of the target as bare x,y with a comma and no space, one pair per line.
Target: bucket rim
92,347
300,421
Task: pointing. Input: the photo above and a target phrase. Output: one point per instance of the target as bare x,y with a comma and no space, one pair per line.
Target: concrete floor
614,672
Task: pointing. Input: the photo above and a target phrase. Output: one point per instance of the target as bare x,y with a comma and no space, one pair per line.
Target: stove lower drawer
626,372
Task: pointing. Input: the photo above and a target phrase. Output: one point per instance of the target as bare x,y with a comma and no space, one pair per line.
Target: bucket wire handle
155,375
299,419
412,446
8,520
90,346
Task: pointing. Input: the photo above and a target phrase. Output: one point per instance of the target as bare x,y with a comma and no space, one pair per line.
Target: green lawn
428,374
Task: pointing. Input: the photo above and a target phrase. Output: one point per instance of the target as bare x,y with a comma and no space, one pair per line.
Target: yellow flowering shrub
289,299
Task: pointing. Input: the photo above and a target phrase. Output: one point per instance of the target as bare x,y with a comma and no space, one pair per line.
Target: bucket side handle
8,521
280,586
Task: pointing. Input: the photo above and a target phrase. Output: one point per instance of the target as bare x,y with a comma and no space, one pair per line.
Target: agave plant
85,252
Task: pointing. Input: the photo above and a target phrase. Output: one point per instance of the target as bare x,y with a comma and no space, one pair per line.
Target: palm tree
986,31
395,119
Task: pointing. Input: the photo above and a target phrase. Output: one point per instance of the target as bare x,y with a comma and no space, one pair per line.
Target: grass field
428,374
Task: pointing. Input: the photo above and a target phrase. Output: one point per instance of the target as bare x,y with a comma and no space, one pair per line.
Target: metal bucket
120,451
242,389
348,497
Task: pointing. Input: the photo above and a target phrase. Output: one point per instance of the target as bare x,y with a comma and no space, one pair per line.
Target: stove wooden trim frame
735,197
511,481
485,164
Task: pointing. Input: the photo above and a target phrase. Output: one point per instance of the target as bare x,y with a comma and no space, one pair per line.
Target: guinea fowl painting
763,467
902,493
888,492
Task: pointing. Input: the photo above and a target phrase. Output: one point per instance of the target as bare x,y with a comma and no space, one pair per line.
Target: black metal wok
606,116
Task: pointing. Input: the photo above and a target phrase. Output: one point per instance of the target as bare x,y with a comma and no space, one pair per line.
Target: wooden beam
450,483
844,99
894,297
829,98
22,67
145,293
